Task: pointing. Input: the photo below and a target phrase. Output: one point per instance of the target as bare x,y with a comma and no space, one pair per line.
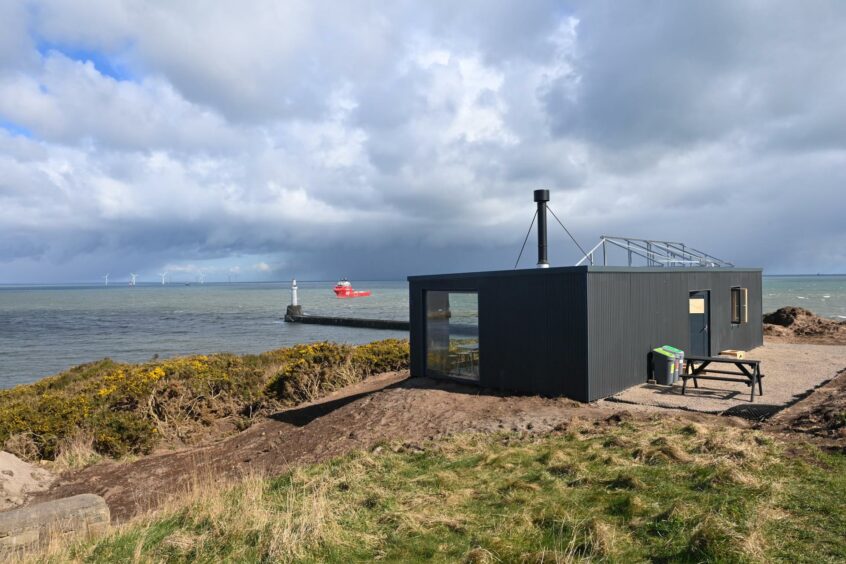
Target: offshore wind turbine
163,274
106,279
132,278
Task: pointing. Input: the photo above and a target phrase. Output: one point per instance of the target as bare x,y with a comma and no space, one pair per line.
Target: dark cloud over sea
322,139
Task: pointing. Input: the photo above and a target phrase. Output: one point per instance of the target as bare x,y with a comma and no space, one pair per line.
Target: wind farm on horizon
163,280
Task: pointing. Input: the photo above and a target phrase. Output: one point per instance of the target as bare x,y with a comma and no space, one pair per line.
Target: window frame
739,305
427,371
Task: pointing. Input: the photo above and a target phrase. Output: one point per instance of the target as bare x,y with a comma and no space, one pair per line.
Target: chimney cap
541,195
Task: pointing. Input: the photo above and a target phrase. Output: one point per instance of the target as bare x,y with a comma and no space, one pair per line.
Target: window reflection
452,334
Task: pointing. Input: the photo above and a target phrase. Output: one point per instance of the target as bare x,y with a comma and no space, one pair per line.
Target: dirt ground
389,407
395,408
822,414
790,371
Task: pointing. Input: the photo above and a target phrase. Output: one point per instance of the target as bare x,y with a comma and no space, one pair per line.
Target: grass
631,493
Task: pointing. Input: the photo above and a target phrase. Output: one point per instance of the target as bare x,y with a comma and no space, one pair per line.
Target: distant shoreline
122,283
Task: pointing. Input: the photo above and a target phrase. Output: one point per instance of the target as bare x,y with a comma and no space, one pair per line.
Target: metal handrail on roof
656,253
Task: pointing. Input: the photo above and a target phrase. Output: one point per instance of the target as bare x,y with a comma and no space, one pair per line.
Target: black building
584,332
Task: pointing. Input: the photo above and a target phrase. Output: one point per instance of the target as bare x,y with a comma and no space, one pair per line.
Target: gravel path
791,371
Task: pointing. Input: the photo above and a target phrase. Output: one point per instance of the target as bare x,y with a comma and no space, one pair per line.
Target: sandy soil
19,480
790,371
390,407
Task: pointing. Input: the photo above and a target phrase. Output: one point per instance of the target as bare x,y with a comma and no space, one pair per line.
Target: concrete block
32,527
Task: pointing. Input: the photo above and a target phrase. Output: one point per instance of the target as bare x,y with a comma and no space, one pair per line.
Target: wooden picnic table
699,368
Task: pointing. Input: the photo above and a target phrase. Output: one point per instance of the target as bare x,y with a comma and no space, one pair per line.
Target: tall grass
633,493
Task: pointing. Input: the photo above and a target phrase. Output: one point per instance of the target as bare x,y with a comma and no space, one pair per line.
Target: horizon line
285,280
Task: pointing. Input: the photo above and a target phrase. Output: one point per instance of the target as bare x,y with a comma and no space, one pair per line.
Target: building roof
583,268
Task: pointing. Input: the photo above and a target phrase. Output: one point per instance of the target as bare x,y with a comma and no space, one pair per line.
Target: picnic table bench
699,368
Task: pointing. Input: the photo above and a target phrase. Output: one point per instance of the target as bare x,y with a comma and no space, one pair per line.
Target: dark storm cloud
679,74
317,137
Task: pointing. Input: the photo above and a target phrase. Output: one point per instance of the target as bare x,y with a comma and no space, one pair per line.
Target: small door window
696,305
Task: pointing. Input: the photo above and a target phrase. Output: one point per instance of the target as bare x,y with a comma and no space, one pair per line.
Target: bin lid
671,349
663,352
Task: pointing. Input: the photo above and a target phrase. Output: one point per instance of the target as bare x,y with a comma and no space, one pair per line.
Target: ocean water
47,329
824,295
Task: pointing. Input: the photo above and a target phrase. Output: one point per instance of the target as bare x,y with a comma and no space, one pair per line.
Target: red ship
343,289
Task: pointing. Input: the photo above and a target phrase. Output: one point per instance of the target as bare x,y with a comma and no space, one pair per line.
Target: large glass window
452,334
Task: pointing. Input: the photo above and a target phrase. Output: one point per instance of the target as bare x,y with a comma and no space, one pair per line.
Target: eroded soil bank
393,408
386,408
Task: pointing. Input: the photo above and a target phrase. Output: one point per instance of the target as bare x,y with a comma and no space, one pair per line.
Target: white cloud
66,101
408,138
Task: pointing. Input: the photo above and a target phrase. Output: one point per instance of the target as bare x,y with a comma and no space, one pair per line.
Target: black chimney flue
542,197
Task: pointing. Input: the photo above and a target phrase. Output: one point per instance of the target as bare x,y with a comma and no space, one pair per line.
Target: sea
47,329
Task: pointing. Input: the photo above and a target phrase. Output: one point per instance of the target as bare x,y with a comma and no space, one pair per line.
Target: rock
34,526
797,322
619,417
787,316
19,479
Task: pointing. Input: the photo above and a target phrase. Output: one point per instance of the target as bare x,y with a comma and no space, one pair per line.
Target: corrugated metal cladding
632,311
585,332
533,334
532,328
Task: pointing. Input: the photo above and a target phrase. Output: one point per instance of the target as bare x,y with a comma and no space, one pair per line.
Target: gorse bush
381,356
312,370
118,433
130,408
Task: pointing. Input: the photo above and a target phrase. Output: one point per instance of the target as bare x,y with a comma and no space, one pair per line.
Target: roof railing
656,253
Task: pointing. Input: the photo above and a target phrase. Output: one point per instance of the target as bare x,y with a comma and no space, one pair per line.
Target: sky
375,140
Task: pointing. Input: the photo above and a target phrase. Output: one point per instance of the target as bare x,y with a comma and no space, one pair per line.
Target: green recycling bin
663,366
679,354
